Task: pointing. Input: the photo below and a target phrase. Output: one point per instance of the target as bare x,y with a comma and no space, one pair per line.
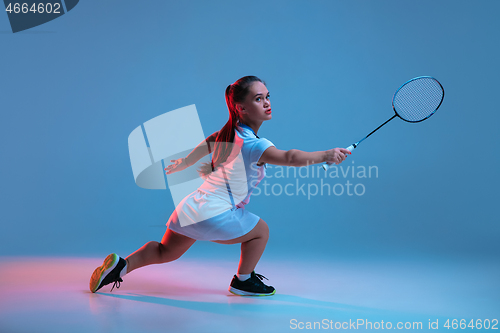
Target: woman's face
257,106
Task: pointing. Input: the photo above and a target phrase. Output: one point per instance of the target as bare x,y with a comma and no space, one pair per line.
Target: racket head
418,99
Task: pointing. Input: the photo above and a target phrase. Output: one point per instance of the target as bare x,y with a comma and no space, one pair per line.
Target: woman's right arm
297,158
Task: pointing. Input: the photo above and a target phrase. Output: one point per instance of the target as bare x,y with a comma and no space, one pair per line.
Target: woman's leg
252,246
172,246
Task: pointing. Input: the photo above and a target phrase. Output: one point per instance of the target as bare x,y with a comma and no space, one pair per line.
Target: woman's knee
262,230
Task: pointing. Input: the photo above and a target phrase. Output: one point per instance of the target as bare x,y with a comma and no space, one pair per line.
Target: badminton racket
415,101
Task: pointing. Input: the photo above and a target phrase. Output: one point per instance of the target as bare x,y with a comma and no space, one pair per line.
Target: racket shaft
376,129
351,147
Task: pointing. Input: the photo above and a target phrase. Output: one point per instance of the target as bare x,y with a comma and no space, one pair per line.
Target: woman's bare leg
252,246
172,246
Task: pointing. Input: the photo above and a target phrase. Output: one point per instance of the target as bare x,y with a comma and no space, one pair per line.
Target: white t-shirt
234,180
215,211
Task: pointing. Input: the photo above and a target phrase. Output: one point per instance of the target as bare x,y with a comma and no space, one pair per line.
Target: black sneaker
251,287
107,273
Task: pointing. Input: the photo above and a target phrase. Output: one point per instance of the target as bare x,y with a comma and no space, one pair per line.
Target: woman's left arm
202,150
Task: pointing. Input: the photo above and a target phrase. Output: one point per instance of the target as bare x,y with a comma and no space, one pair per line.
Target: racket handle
327,165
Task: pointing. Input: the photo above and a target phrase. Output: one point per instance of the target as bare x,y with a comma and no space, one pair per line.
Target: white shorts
232,223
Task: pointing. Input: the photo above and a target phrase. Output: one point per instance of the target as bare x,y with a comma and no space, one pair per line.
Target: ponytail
235,93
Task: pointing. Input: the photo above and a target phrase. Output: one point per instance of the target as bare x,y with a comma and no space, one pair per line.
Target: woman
216,211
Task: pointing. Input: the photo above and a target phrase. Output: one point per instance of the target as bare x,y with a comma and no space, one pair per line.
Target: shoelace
260,276
117,284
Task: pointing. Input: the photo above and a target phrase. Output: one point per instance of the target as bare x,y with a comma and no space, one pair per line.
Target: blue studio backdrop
74,88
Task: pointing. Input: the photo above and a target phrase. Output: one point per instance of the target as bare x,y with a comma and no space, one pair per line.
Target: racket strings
418,99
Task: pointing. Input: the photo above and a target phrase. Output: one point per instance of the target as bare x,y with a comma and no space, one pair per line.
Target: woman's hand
336,155
179,165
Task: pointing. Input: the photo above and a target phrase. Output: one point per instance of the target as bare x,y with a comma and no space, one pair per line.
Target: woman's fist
336,155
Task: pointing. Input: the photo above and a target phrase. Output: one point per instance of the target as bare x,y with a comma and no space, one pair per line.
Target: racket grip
327,165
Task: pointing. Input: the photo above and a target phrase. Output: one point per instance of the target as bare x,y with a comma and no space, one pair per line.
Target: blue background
73,89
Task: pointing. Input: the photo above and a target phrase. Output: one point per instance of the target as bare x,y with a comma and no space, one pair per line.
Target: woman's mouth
268,111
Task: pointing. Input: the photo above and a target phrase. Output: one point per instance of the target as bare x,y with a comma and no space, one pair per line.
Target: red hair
235,93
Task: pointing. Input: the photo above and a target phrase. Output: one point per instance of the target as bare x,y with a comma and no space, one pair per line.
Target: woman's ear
240,109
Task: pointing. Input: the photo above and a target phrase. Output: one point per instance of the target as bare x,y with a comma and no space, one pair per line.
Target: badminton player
216,211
